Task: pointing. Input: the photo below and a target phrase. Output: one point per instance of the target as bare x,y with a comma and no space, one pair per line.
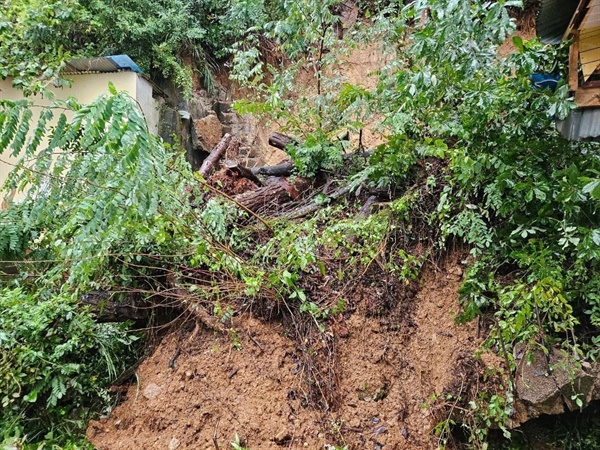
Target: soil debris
258,382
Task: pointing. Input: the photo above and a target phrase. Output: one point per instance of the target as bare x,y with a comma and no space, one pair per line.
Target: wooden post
574,63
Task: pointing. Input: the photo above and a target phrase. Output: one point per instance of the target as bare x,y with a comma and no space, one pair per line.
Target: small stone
189,374
282,437
152,391
456,271
380,430
174,443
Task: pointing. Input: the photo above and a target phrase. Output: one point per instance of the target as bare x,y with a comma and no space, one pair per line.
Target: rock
380,430
354,423
152,391
595,372
200,107
176,131
174,443
549,384
221,108
208,132
282,437
456,272
230,118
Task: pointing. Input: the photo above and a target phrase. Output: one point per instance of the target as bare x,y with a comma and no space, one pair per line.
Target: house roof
580,124
103,64
554,18
108,64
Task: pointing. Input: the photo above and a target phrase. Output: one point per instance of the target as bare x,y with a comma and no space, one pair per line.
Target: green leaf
31,397
518,43
592,188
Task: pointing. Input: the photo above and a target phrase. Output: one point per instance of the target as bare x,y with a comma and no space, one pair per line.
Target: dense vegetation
38,36
471,153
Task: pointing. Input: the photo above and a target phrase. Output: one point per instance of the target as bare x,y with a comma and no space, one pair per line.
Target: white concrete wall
85,88
150,107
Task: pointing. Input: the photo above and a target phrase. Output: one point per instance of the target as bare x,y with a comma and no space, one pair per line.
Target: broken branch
214,156
241,171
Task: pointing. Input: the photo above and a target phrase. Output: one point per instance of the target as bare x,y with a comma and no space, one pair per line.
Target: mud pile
367,387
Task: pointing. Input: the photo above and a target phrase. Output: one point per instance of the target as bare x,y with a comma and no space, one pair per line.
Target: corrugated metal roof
554,18
114,63
580,124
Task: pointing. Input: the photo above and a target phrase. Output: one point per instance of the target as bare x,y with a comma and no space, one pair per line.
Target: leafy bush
309,50
101,195
101,181
159,36
521,196
35,40
55,363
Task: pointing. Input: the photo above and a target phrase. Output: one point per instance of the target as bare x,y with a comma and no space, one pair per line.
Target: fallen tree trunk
283,169
281,141
286,168
273,194
313,207
214,156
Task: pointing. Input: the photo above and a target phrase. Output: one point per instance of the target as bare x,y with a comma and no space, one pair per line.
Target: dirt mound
374,376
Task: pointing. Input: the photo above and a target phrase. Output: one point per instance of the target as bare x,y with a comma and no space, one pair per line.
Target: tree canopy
471,153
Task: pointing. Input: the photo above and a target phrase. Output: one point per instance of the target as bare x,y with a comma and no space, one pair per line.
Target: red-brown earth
368,385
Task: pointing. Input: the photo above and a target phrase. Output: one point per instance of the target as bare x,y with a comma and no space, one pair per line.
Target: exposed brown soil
364,382
525,30
230,183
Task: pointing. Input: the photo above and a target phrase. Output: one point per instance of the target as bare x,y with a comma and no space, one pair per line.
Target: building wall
150,107
85,88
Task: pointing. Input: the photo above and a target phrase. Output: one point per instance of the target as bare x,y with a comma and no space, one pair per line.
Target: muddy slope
366,387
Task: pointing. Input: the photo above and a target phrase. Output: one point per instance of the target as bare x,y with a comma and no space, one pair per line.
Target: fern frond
11,123
21,133
39,131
